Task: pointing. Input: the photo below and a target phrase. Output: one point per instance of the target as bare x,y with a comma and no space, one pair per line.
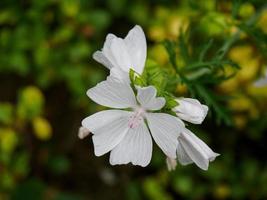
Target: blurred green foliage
46,66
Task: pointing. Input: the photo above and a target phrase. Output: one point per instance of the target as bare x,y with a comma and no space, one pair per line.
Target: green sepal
136,79
131,75
171,103
155,76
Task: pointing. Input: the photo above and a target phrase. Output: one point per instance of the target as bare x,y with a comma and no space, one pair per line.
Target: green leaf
156,76
183,185
58,164
6,113
171,49
20,164
154,190
31,189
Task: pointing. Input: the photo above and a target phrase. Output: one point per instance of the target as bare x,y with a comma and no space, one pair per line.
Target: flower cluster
126,131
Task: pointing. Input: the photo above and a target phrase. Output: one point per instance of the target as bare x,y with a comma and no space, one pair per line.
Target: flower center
136,118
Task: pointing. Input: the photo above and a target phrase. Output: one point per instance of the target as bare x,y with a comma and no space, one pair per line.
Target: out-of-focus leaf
183,185
31,189
154,190
8,140
99,18
20,164
58,164
133,192
6,113
70,7
30,102
7,181
67,196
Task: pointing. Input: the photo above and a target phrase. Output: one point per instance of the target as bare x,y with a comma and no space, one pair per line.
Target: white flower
191,110
126,133
191,149
119,55
262,81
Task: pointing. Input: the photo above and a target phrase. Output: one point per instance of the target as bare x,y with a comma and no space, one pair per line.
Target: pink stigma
136,118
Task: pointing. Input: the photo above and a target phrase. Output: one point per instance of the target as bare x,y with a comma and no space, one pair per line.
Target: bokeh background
46,66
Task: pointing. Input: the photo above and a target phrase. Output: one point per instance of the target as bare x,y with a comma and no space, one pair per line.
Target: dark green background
48,45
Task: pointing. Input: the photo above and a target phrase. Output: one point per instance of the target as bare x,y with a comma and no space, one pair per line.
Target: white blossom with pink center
126,133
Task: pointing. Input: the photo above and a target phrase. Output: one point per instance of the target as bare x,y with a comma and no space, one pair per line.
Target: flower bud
191,110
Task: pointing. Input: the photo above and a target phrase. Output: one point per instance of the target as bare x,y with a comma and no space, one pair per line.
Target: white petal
110,37
136,147
210,154
124,53
136,46
146,96
109,127
182,156
196,149
112,94
120,75
121,55
105,56
100,57
165,130
102,118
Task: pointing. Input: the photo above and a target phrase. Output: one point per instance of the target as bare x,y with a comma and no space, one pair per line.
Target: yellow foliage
159,54
42,128
8,140
156,33
240,103
249,63
240,54
70,7
30,103
246,10
181,89
248,70
257,91
32,94
228,86
263,21
240,121
214,23
176,24
222,192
